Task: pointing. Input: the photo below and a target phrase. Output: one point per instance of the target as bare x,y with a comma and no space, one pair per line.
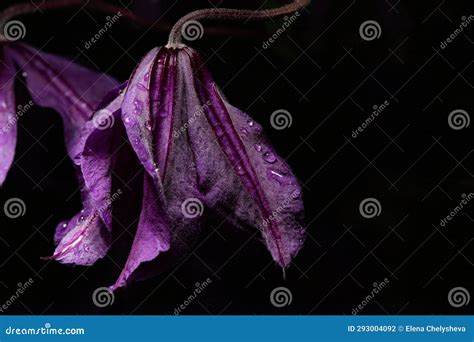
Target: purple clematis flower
197,154
54,82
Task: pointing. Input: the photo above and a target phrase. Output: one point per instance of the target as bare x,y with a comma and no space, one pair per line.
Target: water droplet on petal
219,130
138,107
3,104
269,157
141,87
127,119
147,76
281,177
240,170
81,218
243,130
258,147
24,74
148,125
64,225
250,123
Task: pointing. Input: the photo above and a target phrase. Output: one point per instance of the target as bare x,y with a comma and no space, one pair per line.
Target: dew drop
64,225
281,177
148,125
3,104
219,130
127,119
147,76
240,170
24,74
250,123
243,130
141,87
269,157
138,107
258,147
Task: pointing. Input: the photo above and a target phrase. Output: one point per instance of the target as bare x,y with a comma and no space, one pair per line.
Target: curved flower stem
231,14
27,8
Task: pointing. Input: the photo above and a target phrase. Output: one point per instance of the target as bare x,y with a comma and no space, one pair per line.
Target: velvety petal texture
152,236
174,112
87,236
8,116
82,240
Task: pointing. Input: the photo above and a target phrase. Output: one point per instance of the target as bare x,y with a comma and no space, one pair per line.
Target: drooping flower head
187,152
199,155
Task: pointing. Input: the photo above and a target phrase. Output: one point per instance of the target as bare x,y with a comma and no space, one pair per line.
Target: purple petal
267,194
8,117
152,236
169,160
83,240
136,113
101,142
55,82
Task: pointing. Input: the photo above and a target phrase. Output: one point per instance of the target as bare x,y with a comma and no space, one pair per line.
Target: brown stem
229,14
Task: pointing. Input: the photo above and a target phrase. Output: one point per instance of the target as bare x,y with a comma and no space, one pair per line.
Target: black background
328,78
